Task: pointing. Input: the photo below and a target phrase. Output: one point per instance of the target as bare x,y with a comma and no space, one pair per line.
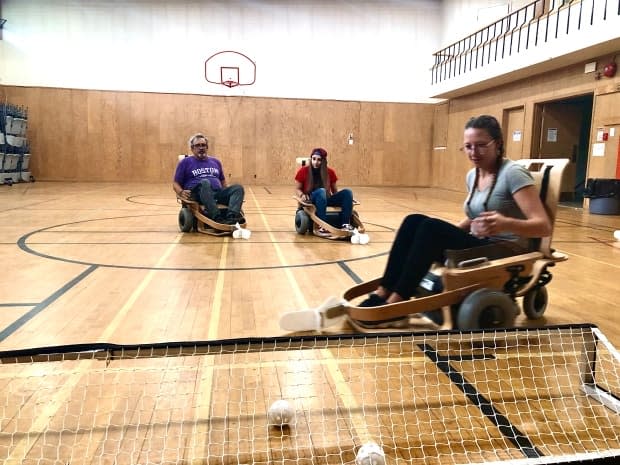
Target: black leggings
420,241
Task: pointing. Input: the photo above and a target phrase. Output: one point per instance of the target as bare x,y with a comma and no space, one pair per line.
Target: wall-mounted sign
598,149
516,135
552,135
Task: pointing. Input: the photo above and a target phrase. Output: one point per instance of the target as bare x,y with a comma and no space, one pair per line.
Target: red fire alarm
605,136
610,69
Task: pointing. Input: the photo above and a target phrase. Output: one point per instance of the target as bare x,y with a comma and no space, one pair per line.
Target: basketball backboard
230,69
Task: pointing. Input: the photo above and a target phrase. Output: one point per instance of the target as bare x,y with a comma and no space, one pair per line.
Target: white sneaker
327,314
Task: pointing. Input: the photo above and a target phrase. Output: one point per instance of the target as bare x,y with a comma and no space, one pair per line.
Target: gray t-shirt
510,178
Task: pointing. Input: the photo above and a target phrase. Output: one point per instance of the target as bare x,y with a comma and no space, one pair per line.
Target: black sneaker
373,300
219,219
234,218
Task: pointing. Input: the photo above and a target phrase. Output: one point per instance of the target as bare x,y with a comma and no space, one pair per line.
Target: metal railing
536,23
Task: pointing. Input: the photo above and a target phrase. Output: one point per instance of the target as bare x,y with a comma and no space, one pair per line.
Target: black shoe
219,219
373,300
234,218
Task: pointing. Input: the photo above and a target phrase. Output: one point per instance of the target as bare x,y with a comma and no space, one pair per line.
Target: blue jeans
232,196
343,199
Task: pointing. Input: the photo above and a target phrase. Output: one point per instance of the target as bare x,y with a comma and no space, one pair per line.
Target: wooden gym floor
95,262
88,263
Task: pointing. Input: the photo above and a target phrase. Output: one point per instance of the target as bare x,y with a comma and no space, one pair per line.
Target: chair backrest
547,172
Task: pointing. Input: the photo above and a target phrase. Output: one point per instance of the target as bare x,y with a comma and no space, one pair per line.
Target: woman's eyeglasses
199,145
478,147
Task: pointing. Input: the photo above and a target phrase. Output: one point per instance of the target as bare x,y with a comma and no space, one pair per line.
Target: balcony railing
537,23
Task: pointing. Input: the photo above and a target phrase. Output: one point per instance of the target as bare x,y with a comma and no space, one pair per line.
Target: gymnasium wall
90,135
449,163
369,50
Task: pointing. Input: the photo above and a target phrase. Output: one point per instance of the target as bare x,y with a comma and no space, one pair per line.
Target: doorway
562,130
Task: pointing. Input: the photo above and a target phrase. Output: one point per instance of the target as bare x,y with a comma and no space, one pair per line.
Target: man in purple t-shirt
201,178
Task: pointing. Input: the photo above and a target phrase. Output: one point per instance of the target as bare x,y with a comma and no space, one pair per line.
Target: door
514,119
564,131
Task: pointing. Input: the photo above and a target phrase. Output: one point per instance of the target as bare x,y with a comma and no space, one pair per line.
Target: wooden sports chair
306,219
191,218
481,292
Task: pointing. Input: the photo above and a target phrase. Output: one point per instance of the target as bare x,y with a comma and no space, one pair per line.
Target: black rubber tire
186,219
535,303
486,309
302,222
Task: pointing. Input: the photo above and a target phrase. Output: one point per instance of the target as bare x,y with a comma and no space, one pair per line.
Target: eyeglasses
199,145
478,147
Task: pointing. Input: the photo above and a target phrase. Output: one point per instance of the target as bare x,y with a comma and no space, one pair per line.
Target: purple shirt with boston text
191,171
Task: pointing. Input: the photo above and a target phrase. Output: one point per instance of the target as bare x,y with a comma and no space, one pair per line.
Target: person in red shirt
316,183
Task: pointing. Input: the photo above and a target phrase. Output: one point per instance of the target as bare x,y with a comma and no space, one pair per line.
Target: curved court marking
24,246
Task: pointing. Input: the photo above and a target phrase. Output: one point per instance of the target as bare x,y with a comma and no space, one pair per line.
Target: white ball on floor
280,413
246,233
370,454
364,239
237,234
355,239
617,235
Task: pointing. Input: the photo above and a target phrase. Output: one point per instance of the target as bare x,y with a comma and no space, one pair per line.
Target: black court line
18,304
350,272
38,308
23,245
510,431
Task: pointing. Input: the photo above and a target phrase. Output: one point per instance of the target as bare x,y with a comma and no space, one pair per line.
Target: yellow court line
299,295
343,391
21,448
204,387
122,313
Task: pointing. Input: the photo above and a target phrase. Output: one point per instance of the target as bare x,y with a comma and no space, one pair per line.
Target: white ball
355,239
280,413
364,239
617,235
246,233
370,454
236,234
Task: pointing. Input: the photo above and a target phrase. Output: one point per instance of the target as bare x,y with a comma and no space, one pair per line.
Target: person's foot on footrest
373,300
234,218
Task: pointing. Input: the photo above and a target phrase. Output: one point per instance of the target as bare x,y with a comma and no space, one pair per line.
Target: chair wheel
535,303
186,219
302,222
486,308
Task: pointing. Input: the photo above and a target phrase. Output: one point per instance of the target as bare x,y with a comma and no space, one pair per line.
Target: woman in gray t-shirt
502,204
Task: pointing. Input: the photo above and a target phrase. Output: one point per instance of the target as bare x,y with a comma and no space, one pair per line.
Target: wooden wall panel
91,135
125,136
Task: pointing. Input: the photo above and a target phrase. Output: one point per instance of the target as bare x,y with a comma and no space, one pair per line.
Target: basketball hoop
230,69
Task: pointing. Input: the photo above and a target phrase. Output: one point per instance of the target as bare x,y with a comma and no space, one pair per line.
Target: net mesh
516,396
